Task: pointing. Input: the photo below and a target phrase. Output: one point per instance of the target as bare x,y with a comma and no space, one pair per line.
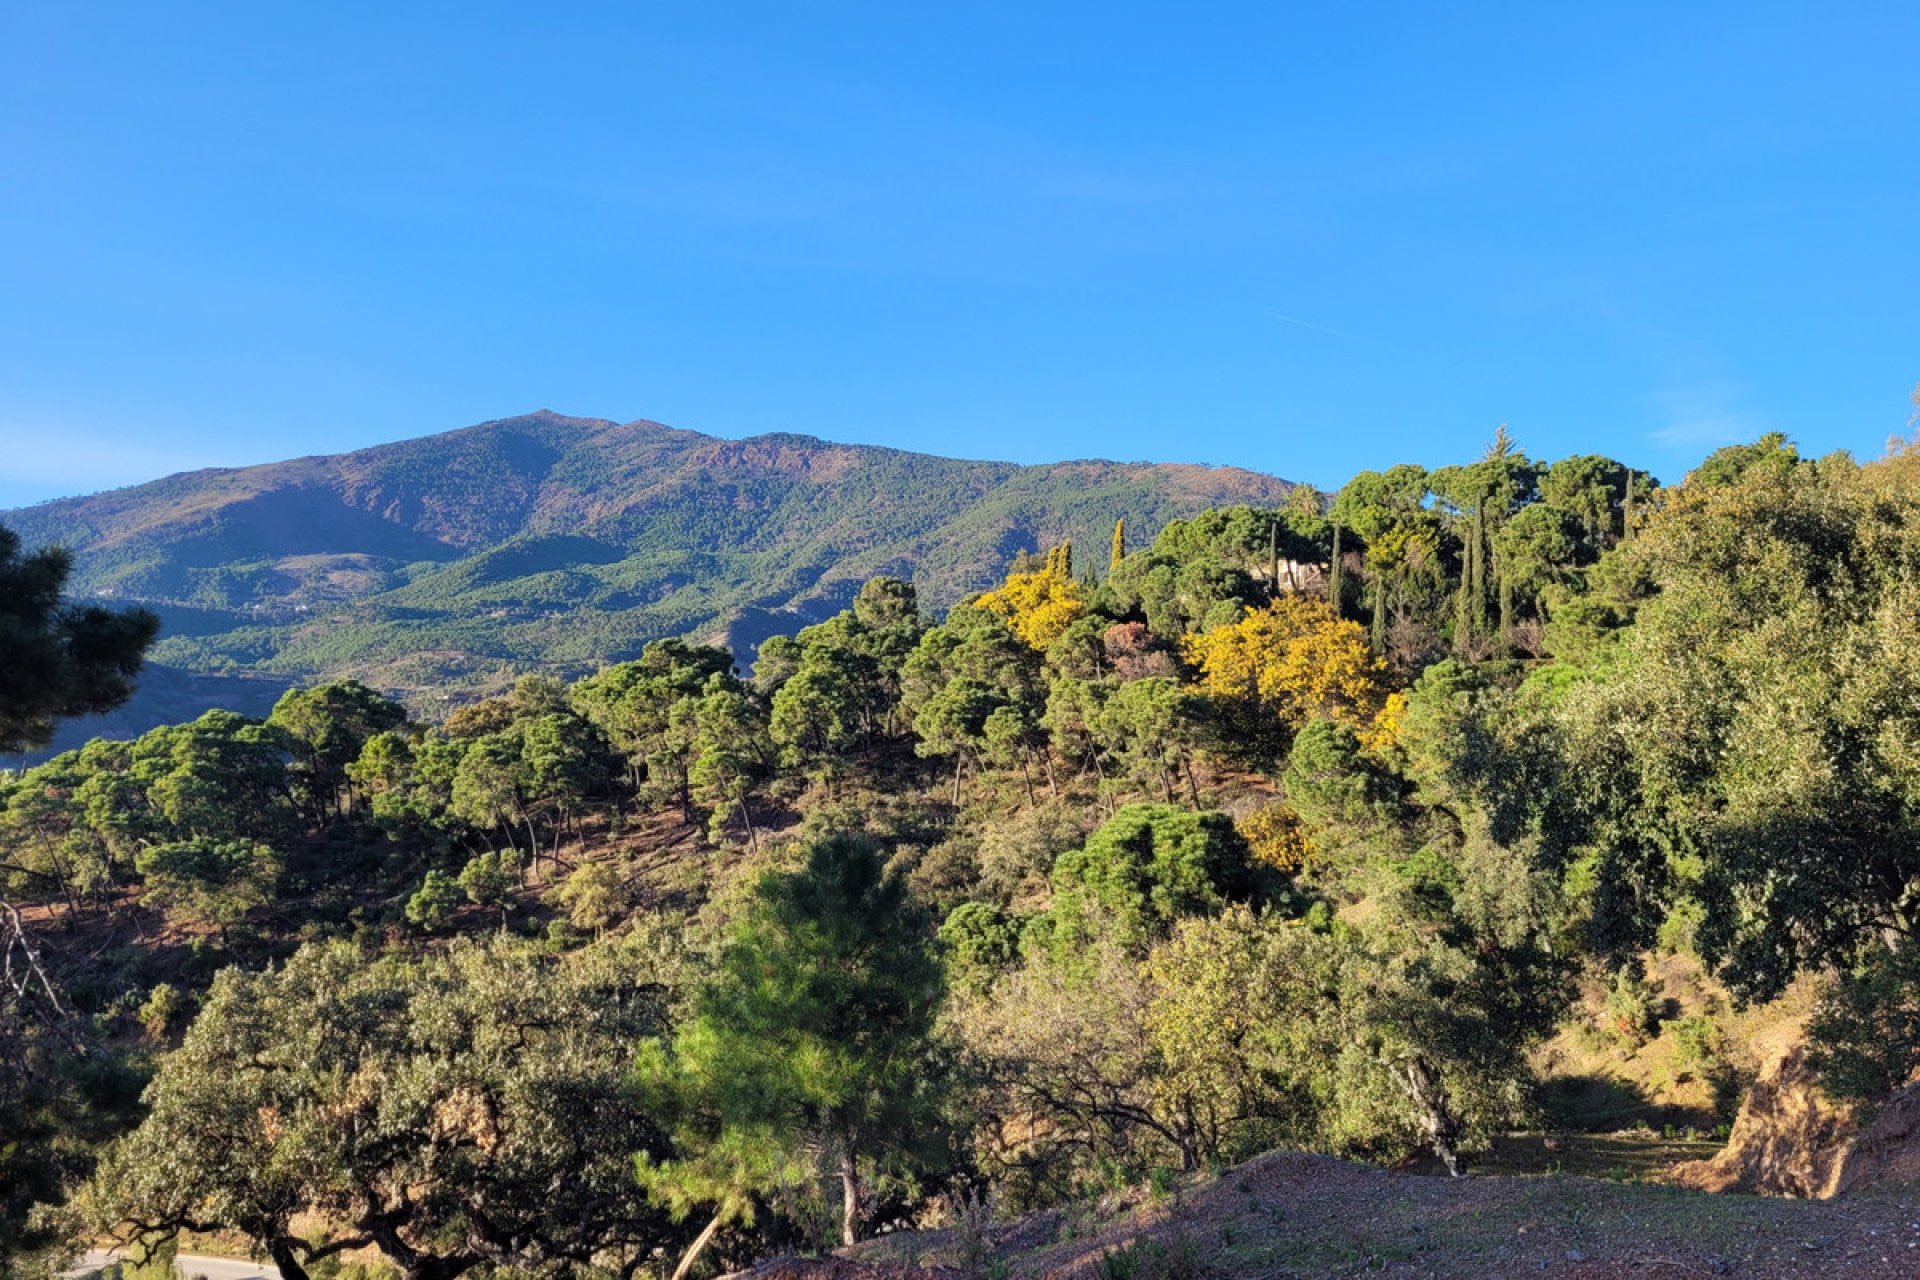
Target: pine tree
811,1043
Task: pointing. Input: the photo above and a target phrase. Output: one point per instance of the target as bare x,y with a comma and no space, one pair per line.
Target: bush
1150,1259
1633,1007
594,897
981,940
1866,1030
434,902
1148,866
1699,1046
157,1013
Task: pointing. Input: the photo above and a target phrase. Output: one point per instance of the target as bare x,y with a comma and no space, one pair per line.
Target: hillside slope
563,542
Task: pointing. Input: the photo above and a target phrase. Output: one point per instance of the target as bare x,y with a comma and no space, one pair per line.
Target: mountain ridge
447,561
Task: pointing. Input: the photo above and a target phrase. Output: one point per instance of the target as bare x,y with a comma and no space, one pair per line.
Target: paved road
187,1264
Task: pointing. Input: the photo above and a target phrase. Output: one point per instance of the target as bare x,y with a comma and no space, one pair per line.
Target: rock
1789,1139
1888,1151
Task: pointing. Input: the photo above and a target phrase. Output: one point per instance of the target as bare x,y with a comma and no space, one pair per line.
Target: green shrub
1632,1015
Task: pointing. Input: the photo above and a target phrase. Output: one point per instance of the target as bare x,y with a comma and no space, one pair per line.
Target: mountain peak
546,539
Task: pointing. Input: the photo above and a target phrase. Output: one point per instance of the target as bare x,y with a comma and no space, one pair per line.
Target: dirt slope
1294,1215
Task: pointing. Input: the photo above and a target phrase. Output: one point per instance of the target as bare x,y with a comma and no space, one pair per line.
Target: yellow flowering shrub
1298,660
1038,605
1277,837
1384,733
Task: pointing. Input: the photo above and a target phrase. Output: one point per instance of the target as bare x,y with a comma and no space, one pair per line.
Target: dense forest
1278,827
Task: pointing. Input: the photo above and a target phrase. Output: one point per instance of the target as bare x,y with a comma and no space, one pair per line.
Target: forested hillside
556,543
1286,825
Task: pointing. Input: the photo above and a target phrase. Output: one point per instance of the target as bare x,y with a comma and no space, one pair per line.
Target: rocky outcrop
1888,1151
1789,1139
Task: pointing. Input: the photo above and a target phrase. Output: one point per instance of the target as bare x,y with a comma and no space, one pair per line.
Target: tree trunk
746,816
700,1242
281,1251
1429,1096
849,1198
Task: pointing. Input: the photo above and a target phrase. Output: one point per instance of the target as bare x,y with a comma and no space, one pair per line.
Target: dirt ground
1298,1216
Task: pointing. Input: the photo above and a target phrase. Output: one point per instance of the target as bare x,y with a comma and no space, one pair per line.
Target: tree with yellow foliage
1040,604
1277,837
1293,661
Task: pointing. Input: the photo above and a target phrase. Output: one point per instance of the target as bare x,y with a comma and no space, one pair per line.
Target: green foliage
810,1044
329,726
208,881
594,896
1865,1032
489,879
161,1008
1633,1007
434,902
469,1106
1740,751
1717,756
61,659
981,939
1146,867
1334,784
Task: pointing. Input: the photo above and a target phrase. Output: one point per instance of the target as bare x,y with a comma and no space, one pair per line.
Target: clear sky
1307,239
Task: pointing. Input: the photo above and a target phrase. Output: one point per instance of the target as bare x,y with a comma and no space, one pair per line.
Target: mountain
446,562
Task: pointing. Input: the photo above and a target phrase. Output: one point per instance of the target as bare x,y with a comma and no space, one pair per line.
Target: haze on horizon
1300,243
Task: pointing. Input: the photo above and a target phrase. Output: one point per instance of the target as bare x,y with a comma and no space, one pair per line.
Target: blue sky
1305,239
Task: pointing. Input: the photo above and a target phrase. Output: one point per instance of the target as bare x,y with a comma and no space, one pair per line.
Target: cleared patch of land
1289,1215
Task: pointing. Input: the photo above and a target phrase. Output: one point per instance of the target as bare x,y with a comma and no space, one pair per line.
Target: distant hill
444,563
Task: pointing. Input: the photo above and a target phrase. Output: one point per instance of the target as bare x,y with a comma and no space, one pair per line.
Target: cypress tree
1626,510
1504,586
1336,583
1119,551
1463,599
1379,630
1480,565
1273,556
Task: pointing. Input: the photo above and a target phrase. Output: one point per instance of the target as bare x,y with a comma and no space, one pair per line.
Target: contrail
1308,324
